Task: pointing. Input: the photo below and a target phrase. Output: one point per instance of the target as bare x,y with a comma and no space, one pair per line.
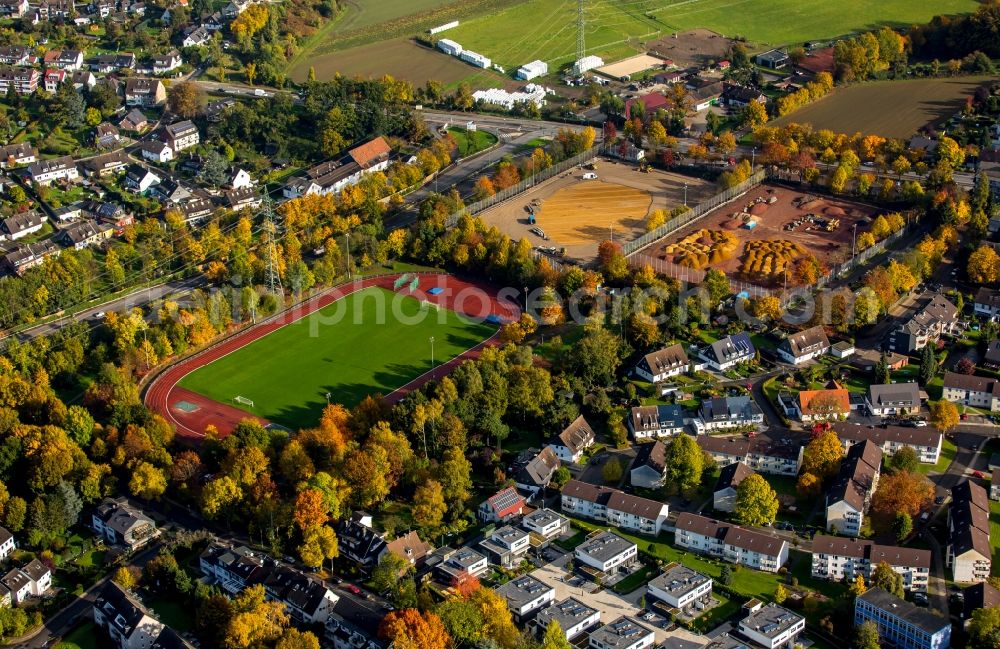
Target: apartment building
902,624
732,543
526,596
662,364
848,499
969,551
606,552
774,453
839,559
926,441
614,507
975,391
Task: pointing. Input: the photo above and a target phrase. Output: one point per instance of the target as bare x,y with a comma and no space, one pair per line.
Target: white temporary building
587,63
499,97
532,70
449,47
475,59
444,27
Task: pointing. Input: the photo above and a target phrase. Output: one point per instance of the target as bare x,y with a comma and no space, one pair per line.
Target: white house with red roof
502,506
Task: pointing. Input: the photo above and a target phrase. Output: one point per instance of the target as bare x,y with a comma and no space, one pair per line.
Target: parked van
590,175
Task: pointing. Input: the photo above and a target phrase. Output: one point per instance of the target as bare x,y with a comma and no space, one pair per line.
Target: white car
99,315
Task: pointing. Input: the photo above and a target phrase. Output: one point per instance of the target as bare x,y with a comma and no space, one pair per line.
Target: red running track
164,396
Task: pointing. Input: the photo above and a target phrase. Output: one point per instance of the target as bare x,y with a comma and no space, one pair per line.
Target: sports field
887,108
546,29
372,347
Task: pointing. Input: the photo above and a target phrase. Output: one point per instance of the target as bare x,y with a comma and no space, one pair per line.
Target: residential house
604,553
729,352
68,60
156,151
16,54
721,413
737,96
129,625
574,618
6,543
506,546
462,564
614,507
239,199
144,92
46,172
772,626
975,391
969,551
732,543
839,559
344,635
166,63
995,485
978,596
68,213
622,633
119,523
937,318
214,22
13,8
107,164
817,405
646,105
525,596
83,80
926,441
169,190
987,303
534,473
52,79
359,542
649,468
772,452
409,547
730,477
139,179
900,623
804,346
181,135
706,94
545,525
53,9
23,257
134,121
195,210
849,497
773,59
21,225
991,359
660,365
888,399
196,37
16,155
106,135
501,506
239,179
24,81
30,580
332,177
108,63
679,587
648,422
214,110
83,234
570,444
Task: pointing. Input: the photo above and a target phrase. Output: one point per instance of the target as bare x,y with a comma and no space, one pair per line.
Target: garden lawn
948,451
83,636
345,349
173,614
470,142
995,535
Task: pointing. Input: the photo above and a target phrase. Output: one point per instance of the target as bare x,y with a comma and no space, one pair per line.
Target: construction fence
695,213
524,185
692,276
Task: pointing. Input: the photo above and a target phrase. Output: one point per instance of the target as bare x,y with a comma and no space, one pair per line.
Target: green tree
79,425
883,374
595,357
684,463
886,578
463,620
905,459
717,285
387,573
756,501
612,471
866,636
455,478
902,525
726,575
555,637
984,628
213,169
928,365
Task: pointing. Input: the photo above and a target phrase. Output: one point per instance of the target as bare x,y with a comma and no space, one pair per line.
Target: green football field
288,372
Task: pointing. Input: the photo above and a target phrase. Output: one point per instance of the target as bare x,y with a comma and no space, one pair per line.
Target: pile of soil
759,209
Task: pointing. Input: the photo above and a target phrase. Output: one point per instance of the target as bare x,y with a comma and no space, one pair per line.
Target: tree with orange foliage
506,176
483,188
310,509
410,629
902,492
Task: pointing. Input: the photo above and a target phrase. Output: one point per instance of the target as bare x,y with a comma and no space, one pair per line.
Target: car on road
352,589
921,599
939,500
99,315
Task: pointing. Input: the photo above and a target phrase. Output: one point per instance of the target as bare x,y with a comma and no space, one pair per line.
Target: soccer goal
243,400
430,305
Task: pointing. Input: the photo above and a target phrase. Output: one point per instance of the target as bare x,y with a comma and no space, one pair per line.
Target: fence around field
524,185
695,213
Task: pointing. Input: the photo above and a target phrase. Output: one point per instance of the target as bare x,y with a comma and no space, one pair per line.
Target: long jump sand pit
759,255
577,214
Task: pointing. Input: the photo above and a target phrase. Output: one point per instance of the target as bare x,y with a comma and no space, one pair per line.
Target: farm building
475,59
449,46
499,97
531,70
587,63
773,59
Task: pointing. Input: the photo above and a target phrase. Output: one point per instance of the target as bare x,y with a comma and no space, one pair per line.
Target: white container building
444,27
531,70
587,63
475,59
450,47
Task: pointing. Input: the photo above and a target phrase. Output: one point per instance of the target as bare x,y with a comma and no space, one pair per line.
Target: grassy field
470,143
287,373
547,30
400,58
887,108
365,13
83,636
995,535
948,451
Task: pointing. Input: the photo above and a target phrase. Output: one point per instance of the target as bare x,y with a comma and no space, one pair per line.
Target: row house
6,543
729,352
838,559
55,9
894,399
570,444
46,172
849,497
30,580
332,177
129,624
26,256
17,55
804,346
939,317
658,366
105,165
722,413
306,599
196,210
975,391
84,234
650,422
772,452
16,155
969,551
926,441
239,199
108,63
731,543
614,507
24,81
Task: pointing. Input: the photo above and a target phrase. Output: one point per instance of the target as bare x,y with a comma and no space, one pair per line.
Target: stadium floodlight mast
432,351
685,194
327,398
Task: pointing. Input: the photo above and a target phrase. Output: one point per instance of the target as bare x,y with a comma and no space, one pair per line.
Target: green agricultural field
288,372
543,29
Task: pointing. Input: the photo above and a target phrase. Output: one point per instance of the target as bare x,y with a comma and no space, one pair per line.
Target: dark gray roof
622,632
604,546
678,580
522,590
889,394
921,618
771,620
732,475
735,347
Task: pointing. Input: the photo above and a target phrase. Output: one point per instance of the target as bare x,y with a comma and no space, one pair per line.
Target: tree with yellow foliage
984,265
410,629
255,621
318,544
766,308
